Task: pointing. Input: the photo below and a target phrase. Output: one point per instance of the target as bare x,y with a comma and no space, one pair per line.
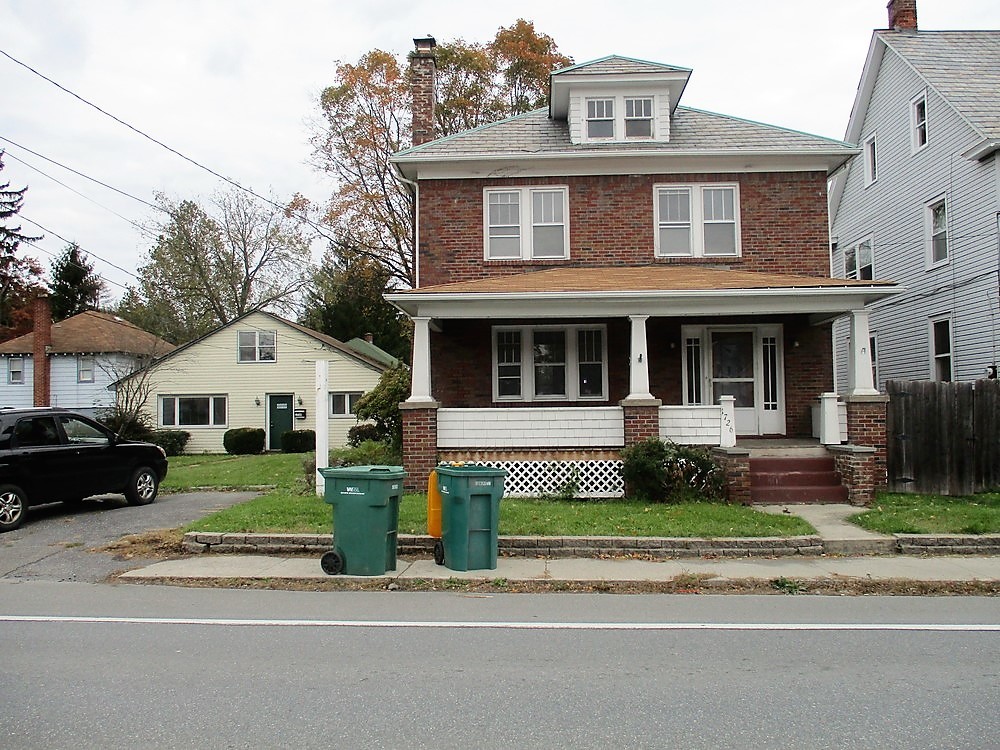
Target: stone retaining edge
603,546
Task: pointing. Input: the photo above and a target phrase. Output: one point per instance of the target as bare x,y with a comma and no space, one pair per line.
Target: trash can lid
373,471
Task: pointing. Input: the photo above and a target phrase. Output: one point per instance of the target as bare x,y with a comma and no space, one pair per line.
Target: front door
743,362
279,419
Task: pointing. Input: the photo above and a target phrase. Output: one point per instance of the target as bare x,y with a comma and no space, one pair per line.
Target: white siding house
257,371
920,204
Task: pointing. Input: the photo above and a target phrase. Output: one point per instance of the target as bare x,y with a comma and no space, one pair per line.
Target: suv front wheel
142,486
12,507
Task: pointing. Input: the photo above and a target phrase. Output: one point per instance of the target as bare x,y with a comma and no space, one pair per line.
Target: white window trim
929,207
10,371
873,348
870,154
572,364
916,148
931,348
525,208
212,425
347,402
80,370
618,135
587,119
856,246
697,219
256,360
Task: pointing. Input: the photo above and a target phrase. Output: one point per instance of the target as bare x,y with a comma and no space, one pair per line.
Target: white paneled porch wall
691,425
547,427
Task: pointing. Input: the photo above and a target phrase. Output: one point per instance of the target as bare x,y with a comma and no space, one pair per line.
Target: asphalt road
54,541
153,666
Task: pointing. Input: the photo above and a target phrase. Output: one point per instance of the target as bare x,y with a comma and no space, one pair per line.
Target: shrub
658,471
298,441
370,452
129,425
172,441
381,404
362,432
242,441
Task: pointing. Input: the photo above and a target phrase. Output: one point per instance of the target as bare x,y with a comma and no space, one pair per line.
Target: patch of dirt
155,543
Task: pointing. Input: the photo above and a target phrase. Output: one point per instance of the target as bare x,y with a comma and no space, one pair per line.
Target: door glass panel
742,391
550,363
732,354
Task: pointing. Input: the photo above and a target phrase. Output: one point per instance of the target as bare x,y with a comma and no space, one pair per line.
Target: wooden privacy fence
943,438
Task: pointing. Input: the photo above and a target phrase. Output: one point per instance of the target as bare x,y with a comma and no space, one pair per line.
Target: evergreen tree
20,277
75,286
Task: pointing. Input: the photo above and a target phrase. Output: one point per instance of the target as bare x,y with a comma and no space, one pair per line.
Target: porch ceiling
660,290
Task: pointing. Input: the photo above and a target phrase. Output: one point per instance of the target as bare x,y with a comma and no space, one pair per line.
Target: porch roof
659,290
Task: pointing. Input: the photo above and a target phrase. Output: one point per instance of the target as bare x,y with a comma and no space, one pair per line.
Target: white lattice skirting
594,478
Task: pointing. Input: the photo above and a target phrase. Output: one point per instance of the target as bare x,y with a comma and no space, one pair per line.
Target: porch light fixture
257,400
299,399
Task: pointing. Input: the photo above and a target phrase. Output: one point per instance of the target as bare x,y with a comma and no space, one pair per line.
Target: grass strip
932,514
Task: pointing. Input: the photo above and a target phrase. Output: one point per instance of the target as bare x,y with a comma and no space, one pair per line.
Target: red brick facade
783,219
642,421
856,465
866,425
419,444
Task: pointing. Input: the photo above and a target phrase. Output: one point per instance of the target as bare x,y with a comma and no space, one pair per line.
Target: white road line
500,625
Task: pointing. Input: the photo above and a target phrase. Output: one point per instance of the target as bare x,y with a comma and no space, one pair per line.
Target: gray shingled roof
690,130
617,65
963,66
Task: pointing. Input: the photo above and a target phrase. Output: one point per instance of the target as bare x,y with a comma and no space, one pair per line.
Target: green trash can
365,502
470,516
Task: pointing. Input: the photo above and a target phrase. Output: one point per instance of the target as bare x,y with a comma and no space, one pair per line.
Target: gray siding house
920,204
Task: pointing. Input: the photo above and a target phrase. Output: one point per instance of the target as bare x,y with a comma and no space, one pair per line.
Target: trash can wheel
332,562
439,552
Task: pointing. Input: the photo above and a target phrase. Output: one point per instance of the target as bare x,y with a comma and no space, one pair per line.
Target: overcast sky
232,84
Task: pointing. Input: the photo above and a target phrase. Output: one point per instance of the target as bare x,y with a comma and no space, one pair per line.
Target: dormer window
639,118
600,118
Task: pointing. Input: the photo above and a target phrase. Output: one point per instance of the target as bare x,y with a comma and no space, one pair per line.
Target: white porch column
829,419
860,360
322,422
727,422
638,369
420,376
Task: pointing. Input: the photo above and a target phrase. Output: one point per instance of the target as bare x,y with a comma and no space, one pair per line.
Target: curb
656,548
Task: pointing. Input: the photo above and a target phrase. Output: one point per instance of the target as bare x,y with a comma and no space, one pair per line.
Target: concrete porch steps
795,479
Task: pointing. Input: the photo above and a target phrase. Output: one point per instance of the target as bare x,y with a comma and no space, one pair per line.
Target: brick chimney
902,14
40,353
422,86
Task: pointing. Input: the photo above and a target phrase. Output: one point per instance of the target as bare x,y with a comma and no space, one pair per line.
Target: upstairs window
859,261
918,122
697,220
527,223
871,160
257,346
84,369
15,370
600,118
937,232
639,118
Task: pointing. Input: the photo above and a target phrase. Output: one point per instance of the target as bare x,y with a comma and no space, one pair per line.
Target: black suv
50,455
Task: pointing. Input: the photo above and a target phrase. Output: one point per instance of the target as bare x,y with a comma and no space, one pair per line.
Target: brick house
616,267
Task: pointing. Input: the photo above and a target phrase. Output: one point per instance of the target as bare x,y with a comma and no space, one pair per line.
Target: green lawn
286,509
932,514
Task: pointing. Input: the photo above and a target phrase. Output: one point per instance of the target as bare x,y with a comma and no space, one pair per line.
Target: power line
94,255
82,268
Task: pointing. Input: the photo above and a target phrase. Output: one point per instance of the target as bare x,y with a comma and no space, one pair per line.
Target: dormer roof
613,71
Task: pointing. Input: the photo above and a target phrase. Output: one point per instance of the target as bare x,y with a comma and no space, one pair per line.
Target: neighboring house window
193,411
257,346
859,261
344,404
918,122
697,220
639,118
600,118
84,369
527,223
941,350
15,370
937,232
550,363
871,160
873,348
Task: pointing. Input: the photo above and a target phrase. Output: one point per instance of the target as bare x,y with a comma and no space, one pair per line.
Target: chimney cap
424,45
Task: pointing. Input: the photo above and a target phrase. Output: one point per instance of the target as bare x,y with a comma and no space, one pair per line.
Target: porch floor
784,447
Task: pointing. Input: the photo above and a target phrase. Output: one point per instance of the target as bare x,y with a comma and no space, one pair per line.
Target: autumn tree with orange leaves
365,118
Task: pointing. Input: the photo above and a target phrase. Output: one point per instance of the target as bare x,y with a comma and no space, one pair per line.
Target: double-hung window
344,404
193,411
550,363
941,350
859,261
15,370
639,117
937,232
529,223
697,220
84,369
600,118
918,122
257,346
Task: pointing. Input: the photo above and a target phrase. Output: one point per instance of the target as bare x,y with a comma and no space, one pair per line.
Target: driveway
55,541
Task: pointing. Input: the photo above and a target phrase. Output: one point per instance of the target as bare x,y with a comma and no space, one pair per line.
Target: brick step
786,463
794,478
779,495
